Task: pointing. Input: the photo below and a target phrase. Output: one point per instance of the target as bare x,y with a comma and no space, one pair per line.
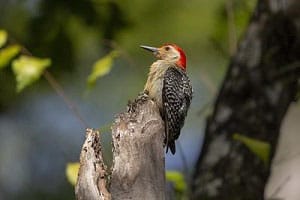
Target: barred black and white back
177,94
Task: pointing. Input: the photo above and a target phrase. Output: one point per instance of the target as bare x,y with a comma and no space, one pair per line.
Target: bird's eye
167,48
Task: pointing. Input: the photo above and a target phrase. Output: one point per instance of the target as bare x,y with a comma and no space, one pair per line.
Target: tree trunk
259,86
138,170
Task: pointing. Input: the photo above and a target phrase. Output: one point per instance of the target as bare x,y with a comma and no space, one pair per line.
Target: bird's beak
154,50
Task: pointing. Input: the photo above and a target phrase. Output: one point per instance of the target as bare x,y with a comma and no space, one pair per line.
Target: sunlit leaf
258,147
177,179
28,69
72,172
7,54
101,67
3,37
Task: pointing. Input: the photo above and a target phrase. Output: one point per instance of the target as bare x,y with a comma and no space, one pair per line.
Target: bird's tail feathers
171,145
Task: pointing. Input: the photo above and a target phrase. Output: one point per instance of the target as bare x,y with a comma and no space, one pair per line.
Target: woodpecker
169,86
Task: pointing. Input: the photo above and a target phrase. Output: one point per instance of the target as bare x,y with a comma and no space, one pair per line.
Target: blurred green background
39,134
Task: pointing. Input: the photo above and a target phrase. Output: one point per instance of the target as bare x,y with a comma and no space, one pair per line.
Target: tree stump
138,170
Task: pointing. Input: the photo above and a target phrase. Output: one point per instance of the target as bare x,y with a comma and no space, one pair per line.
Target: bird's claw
143,96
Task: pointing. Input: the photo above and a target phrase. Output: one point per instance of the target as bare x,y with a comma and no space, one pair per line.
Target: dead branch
138,170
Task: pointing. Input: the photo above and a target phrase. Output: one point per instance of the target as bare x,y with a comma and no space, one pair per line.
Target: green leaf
72,172
178,181
258,147
101,67
7,54
3,37
28,69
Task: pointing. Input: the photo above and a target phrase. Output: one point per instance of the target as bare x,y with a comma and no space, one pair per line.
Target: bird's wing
176,98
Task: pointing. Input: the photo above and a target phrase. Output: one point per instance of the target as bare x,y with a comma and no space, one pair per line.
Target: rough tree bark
260,84
138,170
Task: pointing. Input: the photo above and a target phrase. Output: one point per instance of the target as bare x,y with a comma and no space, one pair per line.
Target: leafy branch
29,69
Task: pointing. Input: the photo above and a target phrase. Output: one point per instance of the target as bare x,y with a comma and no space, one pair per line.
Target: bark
283,182
138,170
259,86
91,182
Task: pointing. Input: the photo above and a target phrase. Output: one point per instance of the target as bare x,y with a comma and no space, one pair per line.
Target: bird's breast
155,79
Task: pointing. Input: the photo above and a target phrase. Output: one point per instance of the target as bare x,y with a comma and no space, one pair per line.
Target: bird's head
169,52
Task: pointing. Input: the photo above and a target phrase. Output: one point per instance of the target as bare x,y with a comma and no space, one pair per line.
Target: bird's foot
143,96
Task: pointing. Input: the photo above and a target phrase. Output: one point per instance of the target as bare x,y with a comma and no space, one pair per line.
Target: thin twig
58,89
280,187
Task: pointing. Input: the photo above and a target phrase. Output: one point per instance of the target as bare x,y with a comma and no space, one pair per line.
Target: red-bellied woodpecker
169,86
